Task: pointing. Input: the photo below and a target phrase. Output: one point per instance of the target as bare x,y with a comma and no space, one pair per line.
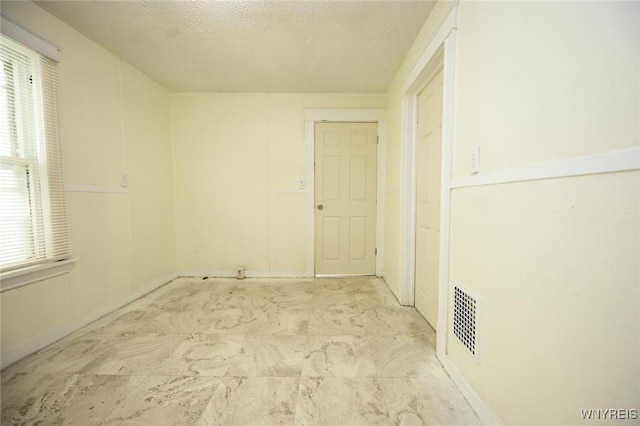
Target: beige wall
556,265
113,120
238,161
149,164
569,91
556,262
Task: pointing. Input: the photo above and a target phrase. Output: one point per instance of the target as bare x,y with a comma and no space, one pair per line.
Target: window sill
33,274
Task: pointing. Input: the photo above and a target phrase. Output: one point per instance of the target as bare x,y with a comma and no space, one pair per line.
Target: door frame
442,39
442,44
344,115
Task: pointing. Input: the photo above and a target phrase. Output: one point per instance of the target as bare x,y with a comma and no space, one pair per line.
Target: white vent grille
465,320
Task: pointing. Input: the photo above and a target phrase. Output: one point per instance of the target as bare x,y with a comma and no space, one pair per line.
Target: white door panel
345,187
428,167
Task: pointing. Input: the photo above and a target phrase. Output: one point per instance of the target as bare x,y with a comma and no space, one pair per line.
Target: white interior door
428,166
345,198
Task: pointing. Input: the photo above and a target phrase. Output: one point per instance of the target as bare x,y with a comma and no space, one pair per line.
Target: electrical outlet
301,184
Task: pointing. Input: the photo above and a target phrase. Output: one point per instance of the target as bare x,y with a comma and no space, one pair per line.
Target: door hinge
376,251
377,139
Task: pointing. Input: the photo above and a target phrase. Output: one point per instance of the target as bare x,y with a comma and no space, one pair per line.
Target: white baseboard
247,274
483,411
12,356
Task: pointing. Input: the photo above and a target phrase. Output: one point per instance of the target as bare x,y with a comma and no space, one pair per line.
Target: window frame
40,157
26,154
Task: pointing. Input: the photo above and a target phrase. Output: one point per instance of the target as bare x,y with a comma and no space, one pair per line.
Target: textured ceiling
256,46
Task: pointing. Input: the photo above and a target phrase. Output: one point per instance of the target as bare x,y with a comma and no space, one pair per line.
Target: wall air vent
466,310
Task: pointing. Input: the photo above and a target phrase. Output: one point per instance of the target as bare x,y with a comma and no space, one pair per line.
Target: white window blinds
33,220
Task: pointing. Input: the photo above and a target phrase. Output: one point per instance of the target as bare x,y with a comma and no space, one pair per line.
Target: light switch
475,160
301,184
124,180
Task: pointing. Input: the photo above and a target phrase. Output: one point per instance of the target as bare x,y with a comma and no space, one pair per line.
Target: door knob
320,207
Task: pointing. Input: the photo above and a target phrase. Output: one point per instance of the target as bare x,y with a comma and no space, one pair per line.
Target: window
33,224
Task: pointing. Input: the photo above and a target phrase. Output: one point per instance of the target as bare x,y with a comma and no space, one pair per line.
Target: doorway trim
441,43
442,40
344,115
